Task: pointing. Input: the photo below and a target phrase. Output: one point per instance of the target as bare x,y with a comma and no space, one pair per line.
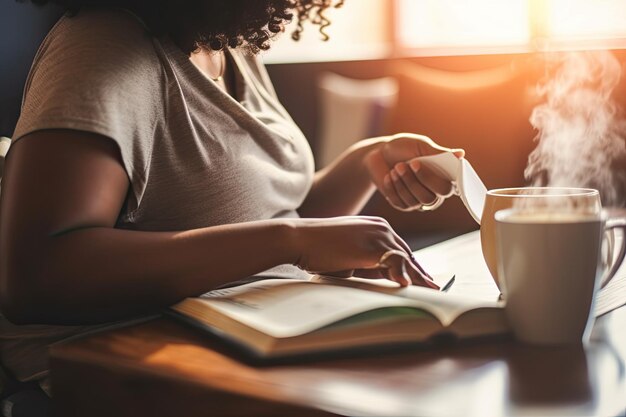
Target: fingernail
432,285
415,165
401,168
394,175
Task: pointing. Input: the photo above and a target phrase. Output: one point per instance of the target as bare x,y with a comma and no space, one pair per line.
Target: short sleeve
98,72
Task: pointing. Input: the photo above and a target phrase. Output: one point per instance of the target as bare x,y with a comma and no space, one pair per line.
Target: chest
218,160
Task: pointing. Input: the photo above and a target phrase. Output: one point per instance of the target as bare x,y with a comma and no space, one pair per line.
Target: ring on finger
432,206
382,262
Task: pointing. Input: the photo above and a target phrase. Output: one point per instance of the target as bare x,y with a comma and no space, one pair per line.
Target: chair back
23,26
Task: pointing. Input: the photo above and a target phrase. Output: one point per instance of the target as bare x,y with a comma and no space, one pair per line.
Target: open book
282,317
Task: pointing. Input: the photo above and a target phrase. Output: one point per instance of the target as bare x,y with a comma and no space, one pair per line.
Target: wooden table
162,368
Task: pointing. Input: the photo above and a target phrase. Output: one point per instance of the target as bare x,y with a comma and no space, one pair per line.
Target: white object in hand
459,171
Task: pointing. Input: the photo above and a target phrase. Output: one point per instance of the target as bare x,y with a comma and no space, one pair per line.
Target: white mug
551,266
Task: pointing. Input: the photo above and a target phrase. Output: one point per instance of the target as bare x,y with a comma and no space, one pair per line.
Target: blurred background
463,72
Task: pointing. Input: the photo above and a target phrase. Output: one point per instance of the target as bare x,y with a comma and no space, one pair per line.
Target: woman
176,170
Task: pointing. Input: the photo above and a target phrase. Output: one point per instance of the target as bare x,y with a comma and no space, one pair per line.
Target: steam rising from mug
580,130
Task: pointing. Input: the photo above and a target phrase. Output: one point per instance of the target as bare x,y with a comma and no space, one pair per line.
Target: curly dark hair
218,24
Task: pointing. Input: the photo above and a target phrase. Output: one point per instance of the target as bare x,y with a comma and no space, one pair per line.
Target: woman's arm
343,187
64,262
386,163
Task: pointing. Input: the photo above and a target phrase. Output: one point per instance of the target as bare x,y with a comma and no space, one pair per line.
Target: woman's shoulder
102,32
95,71
102,22
97,45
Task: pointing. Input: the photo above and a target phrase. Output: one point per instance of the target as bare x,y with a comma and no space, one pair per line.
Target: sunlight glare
573,19
442,23
359,29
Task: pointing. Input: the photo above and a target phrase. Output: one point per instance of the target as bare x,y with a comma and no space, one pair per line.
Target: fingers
370,273
407,269
396,262
399,176
433,182
397,270
418,278
390,193
402,245
420,268
401,269
409,197
409,253
411,186
394,259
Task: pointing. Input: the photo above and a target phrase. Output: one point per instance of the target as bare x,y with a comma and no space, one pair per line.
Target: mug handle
610,246
612,224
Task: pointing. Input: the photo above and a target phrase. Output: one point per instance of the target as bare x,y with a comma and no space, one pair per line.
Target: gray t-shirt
195,156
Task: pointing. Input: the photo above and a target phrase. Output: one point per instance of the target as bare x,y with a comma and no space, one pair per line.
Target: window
370,29
461,23
586,19
478,26
361,29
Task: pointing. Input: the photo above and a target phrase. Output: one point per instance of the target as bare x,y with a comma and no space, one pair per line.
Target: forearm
343,187
100,274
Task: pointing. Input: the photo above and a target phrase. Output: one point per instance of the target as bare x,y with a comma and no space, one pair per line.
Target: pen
448,285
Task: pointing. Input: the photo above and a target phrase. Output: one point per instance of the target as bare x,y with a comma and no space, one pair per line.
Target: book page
285,308
463,256
446,307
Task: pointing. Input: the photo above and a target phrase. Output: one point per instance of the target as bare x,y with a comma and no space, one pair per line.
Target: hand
401,179
354,245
